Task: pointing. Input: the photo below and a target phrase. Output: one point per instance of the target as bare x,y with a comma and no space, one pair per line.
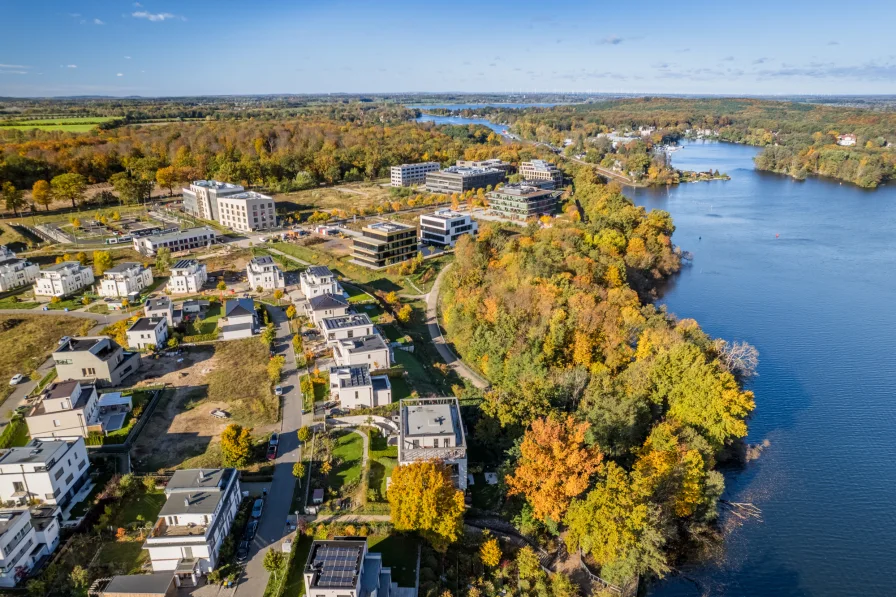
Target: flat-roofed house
369,350
96,358
522,201
65,410
125,279
432,429
443,227
384,244
540,171
181,240
354,387
342,567
157,584
353,325
47,471
163,307
15,272
26,537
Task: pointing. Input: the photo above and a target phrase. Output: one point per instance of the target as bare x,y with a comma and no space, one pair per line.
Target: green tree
423,498
12,197
163,259
173,342
527,564
42,194
236,445
274,561
79,577
70,186
131,189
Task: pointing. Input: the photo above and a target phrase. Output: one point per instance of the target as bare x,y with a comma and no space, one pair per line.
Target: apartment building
443,227
318,280
342,567
384,244
459,179
521,201
188,276
265,273
15,272
196,518
148,332
163,307
367,350
125,279
346,326
65,410
354,387
432,429
26,537
182,240
95,358
318,308
407,175
63,279
201,199
494,163
541,170
247,211
48,471
240,319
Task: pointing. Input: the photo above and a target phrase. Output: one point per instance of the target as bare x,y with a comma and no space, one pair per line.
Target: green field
70,125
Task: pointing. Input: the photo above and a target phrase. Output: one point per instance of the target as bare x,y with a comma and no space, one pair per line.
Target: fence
125,447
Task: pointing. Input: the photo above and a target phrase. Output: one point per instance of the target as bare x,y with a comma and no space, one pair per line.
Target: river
804,272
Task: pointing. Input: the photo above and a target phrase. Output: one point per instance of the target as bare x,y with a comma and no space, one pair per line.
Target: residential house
522,201
157,584
342,567
317,280
163,307
15,272
63,279
354,387
346,326
194,522
65,410
48,471
125,279
384,244
96,358
187,277
239,320
181,240
846,140
148,332
406,175
322,306
432,429
540,171
443,227
366,350
26,538
194,307
263,272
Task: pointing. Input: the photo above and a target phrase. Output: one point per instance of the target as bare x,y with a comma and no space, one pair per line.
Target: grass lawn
8,303
294,584
9,236
383,458
122,557
348,449
355,294
66,128
425,382
399,554
101,307
15,434
141,503
400,388
393,332
70,303
209,323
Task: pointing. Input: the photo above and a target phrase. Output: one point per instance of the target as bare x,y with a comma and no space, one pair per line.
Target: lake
804,272
498,128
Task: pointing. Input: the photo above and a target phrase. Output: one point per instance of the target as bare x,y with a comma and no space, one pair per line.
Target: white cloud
137,5
127,57
13,72
119,75
71,66
98,22
155,17
13,66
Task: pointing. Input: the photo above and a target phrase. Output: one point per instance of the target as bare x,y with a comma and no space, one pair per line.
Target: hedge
11,431
201,338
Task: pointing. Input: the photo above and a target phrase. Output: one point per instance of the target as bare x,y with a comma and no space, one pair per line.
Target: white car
16,379
64,340
278,391
220,414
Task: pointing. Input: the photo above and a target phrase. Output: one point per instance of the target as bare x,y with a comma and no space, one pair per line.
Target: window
18,486
56,423
58,473
446,443
356,394
70,478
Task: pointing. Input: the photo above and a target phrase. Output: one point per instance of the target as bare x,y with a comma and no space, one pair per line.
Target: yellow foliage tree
490,552
423,498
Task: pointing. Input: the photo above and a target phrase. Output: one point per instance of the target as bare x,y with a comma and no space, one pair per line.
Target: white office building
318,280
148,332
26,537
407,175
182,240
354,387
15,272
124,279
540,171
201,199
47,471
187,277
194,522
432,429
63,279
247,211
263,272
443,227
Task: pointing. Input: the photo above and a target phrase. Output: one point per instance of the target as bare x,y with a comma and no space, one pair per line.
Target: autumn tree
404,314
291,312
163,259
42,194
275,367
490,551
221,286
298,470
81,257
555,465
304,433
70,186
527,564
13,198
102,261
236,445
168,177
268,335
423,498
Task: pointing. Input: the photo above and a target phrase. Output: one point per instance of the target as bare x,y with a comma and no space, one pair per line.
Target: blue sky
212,47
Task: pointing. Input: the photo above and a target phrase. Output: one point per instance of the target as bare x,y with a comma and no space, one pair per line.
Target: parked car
272,452
243,551
257,508
220,414
275,439
250,530
64,340
278,390
16,379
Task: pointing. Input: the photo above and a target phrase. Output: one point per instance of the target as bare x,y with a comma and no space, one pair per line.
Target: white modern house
265,273
26,537
247,211
63,279
325,305
48,471
125,279
318,280
148,332
406,175
163,307
15,272
432,429
366,350
96,358
182,240
342,567
195,520
346,326
187,277
354,387
443,227
239,320
65,410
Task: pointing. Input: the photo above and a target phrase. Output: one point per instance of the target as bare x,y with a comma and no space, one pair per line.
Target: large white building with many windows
247,211
26,537
124,279
201,199
407,175
46,471
182,240
63,279
540,170
443,227
187,277
15,272
431,429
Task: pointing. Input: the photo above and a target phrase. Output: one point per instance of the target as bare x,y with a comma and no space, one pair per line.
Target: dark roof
336,564
61,389
364,343
145,324
185,263
358,375
240,306
327,301
346,321
158,303
380,382
123,267
196,502
141,584
8,518
80,344
263,260
319,271
198,478
35,451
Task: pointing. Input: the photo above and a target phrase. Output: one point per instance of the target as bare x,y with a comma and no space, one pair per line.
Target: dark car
272,452
250,529
243,551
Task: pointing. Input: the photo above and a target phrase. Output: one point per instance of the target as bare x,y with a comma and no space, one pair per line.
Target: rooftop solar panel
336,565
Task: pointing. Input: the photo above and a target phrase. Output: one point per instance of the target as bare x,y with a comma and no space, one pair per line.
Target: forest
613,414
808,132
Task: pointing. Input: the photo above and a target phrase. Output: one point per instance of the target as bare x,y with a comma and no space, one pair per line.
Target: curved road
435,331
